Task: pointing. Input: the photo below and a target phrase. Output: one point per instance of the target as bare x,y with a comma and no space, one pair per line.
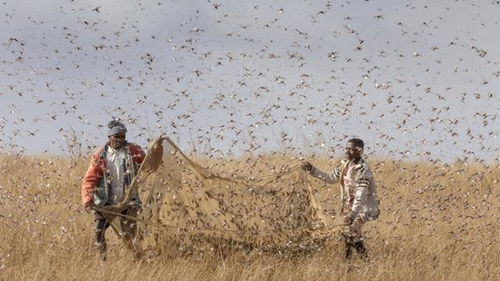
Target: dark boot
102,249
348,244
360,249
348,250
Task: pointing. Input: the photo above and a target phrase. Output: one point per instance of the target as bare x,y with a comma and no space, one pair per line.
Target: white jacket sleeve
361,194
331,177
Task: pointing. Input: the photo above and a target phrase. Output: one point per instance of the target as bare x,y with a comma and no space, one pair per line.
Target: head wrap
116,127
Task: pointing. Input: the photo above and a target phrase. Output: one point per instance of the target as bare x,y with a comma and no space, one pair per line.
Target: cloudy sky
414,79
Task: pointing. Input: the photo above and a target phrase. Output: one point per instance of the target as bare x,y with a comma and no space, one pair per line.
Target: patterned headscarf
116,127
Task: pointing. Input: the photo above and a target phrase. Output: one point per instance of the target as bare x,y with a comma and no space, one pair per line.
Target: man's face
352,152
117,141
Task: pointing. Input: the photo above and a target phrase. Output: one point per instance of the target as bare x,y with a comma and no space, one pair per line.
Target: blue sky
414,79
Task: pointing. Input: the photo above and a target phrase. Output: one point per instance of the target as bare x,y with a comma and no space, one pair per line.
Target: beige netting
189,207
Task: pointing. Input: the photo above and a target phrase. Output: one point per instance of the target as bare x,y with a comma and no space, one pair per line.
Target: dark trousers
128,228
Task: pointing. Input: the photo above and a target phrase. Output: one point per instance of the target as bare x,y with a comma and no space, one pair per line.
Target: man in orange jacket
111,170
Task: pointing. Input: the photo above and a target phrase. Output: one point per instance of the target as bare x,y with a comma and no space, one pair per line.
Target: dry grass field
438,222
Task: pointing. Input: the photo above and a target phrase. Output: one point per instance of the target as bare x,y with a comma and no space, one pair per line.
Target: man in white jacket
358,194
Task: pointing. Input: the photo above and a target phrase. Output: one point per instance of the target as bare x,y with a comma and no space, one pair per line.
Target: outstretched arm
331,177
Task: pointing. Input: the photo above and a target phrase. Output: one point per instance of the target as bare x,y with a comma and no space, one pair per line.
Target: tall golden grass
438,222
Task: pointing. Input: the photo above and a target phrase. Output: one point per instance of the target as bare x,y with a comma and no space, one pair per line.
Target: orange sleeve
90,179
138,154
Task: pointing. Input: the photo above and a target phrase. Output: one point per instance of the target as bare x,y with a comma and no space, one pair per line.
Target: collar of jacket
104,150
359,165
